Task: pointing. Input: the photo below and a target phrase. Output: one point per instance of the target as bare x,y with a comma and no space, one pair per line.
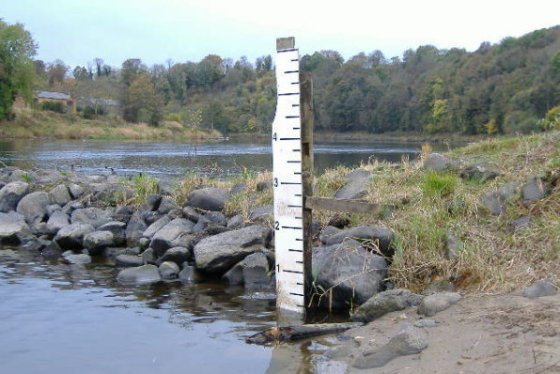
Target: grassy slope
416,205
30,123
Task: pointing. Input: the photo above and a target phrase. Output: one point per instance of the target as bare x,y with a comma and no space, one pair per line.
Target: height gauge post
290,144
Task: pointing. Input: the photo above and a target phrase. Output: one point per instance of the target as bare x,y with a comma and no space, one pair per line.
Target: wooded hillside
503,88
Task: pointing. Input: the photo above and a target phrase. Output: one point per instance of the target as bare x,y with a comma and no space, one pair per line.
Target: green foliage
552,119
439,184
142,186
16,67
53,106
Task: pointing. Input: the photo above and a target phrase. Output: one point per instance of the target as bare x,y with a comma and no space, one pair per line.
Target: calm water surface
176,159
58,318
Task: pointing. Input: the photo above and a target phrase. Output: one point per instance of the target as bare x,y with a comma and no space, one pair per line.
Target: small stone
426,323
169,270
76,259
140,275
540,288
407,342
437,302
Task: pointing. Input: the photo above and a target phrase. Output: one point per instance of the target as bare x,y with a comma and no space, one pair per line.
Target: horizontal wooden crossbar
340,205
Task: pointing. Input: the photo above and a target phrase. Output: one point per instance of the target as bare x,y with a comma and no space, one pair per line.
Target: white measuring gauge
287,184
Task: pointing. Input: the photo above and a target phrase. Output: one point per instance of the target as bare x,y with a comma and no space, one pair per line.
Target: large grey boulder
60,195
140,275
11,194
12,228
437,302
218,253
95,242
385,302
208,198
93,216
357,186
71,237
172,235
34,206
377,236
350,277
496,200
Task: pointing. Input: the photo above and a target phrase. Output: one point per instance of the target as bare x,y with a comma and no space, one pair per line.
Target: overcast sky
77,31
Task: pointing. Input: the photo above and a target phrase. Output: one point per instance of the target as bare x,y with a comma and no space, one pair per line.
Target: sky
156,31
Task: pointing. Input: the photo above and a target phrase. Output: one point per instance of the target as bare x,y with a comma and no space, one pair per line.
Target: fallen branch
294,333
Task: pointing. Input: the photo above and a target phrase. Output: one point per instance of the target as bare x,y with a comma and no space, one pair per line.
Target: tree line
499,88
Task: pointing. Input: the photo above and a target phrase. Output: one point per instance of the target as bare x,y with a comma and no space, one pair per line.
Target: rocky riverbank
480,219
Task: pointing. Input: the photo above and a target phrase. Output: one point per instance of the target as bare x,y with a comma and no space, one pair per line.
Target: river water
60,318
168,159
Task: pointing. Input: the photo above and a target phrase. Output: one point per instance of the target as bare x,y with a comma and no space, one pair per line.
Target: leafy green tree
142,101
16,66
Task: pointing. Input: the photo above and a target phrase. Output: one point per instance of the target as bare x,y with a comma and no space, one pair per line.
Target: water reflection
62,318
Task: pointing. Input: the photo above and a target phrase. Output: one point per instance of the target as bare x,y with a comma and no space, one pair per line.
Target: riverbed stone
437,302
218,253
155,227
129,260
351,277
145,274
188,274
135,229
95,242
377,236
540,288
76,258
252,272
209,198
93,216
71,237
149,256
12,228
357,187
169,270
175,233
60,195
33,206
117,228
76,190
57,220
177,255
11,194
407,342
385,302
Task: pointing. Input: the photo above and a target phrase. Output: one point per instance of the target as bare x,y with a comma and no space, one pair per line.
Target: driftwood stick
294,333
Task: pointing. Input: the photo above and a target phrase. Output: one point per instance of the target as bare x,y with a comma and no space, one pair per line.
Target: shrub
53,106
